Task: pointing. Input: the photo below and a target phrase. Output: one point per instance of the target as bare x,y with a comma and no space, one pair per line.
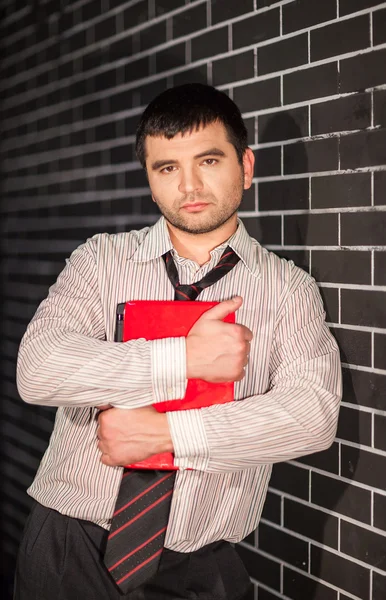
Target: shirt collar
157,242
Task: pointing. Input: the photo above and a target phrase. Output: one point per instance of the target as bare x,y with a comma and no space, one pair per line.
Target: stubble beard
211,218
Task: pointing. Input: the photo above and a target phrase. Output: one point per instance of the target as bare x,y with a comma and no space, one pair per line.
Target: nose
190,181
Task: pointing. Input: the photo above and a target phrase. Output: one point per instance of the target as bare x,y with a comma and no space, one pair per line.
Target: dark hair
184,109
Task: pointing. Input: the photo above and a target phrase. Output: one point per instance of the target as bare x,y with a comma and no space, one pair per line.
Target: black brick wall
310,79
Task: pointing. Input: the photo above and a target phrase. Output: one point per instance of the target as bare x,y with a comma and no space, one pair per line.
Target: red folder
156,319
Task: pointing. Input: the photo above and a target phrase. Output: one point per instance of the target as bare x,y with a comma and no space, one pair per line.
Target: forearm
57,368
297,416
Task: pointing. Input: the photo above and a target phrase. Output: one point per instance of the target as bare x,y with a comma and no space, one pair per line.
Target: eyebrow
158,164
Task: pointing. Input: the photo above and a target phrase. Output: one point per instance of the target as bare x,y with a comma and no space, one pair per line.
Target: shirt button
169,390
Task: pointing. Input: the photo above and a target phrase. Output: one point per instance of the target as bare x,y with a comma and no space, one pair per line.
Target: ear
248,167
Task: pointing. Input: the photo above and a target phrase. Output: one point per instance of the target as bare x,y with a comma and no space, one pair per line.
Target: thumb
223,309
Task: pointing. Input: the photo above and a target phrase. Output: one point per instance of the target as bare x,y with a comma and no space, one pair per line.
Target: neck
197,246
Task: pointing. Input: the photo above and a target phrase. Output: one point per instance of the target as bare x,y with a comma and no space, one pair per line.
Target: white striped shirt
286,406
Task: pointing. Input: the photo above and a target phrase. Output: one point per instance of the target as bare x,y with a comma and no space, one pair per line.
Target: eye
210,161
168,169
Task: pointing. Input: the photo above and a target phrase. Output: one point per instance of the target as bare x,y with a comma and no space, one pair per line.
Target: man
193,144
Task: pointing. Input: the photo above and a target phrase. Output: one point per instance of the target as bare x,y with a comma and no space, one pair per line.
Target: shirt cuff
191,450
168,369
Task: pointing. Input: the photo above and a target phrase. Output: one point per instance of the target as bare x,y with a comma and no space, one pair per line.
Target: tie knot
190,291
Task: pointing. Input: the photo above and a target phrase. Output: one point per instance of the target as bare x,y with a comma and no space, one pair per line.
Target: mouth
195,206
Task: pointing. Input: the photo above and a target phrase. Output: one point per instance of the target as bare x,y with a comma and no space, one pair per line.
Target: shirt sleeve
296,416
64,358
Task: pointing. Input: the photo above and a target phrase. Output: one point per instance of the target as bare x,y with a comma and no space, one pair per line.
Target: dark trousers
61,558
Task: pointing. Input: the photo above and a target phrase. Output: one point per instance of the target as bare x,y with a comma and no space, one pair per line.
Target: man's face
196,179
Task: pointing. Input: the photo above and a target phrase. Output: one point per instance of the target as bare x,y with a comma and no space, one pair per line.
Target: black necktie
140,519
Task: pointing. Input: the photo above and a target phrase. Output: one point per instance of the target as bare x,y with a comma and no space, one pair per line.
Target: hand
128,436
218,351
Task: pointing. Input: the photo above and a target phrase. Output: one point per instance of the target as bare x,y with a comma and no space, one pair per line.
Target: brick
266,230
380,427
363,307
285,194
380,510
380,268
355,346
333,191
311,230
363,544
248,201
105,29
363,467
283,546
268,161
345,114
233,68
197,74
380,108
379,586
283,125
105,80
380,188
307,84
339,571
305,13
222,11
363,71
341,266
379,27
363,228
259,567
121,101
349,500
363,149
272,508
135,15
313,156
300,586
290,479
189,20
354,426
364,389
250,125
350,6
311,523
282,55
258,96
380,352
331,303
345,36
215,41
151,90
152,36
135,179
258,28
172,57
265,595
91,10
327,460
164,6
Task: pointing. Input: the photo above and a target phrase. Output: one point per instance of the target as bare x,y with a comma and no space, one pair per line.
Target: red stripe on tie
223,265
137,549
182,294
140,566
225,255
140,514
141,494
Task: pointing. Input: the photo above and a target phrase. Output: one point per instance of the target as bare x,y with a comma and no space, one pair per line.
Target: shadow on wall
320,526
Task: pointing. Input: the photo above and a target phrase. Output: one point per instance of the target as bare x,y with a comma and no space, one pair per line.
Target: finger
223,309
